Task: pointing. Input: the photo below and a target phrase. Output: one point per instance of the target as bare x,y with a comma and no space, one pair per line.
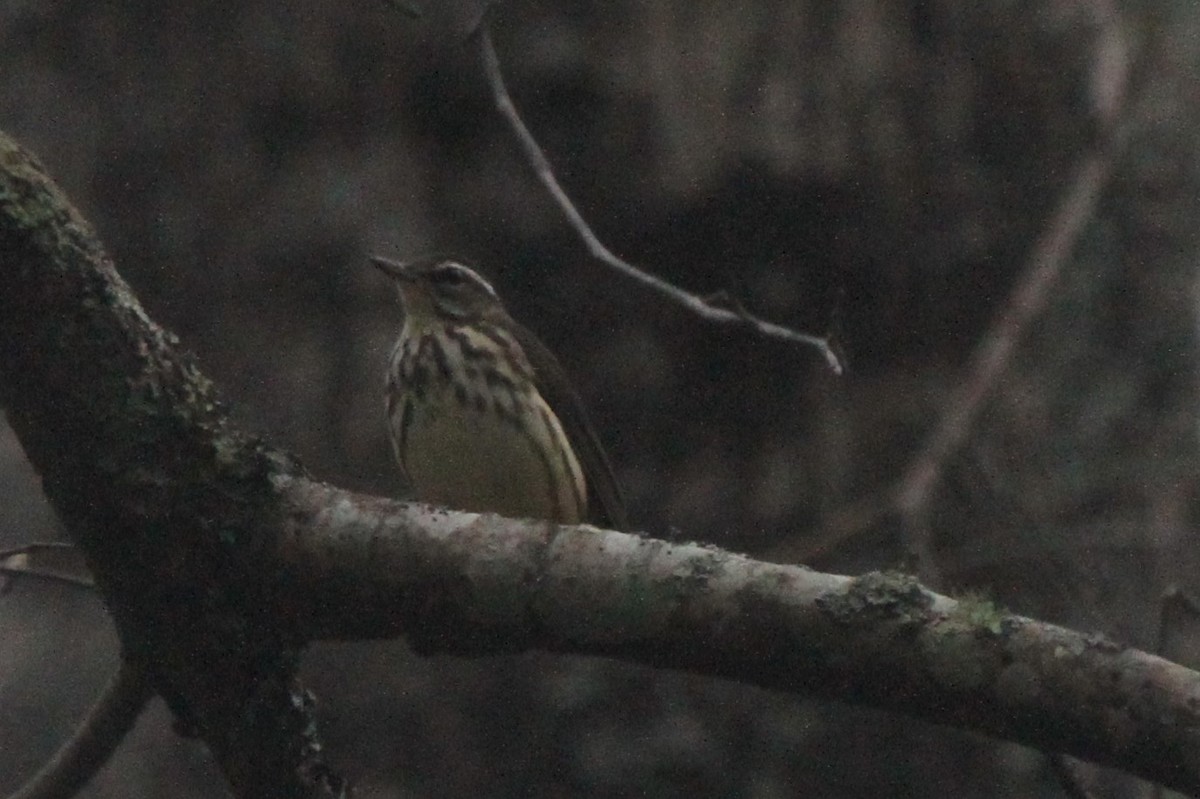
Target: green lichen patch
978,614
880,596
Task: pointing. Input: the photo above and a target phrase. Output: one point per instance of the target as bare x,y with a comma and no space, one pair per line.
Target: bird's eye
451,277
455,278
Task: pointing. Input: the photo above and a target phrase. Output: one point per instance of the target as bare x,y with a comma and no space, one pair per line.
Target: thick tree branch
219,559
170,506
468,584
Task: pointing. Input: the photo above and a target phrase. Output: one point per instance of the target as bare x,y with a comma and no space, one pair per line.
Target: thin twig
541,166
46,560
37,546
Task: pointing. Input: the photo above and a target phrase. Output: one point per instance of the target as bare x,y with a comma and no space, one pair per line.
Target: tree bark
173,509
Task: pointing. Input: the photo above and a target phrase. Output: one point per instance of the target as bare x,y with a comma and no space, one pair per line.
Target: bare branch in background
1051,252
909,498
694,303
94,740
995,351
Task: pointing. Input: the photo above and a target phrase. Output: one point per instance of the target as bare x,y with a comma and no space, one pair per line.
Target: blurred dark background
882,166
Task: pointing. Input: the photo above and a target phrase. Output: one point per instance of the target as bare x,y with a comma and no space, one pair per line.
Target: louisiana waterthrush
481,415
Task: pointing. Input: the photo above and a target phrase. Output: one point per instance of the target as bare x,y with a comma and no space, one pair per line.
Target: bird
480,413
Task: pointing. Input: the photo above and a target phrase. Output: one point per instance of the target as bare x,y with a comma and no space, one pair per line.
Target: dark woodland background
885,166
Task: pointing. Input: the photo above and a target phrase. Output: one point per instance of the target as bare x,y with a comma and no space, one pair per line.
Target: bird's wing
606,508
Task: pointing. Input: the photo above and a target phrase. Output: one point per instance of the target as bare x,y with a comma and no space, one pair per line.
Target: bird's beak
397,270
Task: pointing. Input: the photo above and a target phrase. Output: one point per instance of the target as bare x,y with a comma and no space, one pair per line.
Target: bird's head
440,290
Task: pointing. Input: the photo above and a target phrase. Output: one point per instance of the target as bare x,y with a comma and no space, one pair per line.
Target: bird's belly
464,457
